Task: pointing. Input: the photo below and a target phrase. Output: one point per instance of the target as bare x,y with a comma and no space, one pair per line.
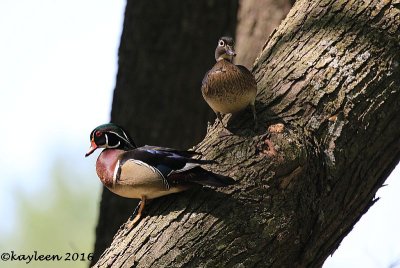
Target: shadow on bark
330,72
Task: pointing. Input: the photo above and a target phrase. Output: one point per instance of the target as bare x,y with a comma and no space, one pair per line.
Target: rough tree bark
164,53
150,42
328,107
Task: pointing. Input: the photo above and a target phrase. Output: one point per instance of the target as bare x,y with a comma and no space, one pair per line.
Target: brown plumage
147,172
229,88
134,179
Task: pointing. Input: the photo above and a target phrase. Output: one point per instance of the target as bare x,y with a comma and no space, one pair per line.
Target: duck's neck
106,164
221,58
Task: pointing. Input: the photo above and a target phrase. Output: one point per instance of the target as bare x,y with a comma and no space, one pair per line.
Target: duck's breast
137,179
106,164
229,89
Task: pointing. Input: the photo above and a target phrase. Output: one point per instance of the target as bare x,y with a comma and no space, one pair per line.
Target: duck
228,88
147,172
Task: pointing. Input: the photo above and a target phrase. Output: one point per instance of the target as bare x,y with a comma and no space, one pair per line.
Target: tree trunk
166,48
256,20
328,108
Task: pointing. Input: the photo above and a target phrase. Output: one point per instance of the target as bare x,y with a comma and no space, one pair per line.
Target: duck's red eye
97,133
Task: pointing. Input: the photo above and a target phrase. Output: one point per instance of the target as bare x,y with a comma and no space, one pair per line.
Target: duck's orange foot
139,214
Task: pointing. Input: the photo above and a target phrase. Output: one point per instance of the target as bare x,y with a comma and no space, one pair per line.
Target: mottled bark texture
166,48
328,108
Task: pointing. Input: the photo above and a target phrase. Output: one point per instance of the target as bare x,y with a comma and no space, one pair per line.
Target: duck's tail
201,176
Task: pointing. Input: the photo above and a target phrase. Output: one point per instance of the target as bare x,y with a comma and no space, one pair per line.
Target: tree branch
328,107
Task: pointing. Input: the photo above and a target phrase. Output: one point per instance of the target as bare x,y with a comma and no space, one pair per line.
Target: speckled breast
227,89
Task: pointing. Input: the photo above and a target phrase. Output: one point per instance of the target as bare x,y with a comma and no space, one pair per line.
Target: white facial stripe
115,146
123,138
126,136
108,145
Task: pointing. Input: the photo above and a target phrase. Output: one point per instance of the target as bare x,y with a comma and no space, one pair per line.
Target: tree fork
330,73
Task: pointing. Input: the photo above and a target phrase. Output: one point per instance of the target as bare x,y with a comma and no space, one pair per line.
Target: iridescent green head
109,136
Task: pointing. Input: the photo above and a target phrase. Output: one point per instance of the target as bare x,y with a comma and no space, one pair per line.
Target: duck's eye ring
98,133
221,43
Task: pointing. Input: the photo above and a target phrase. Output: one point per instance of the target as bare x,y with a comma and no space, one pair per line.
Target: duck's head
225,49
109,136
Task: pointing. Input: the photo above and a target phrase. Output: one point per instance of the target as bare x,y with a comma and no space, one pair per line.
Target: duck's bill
92,148
231,52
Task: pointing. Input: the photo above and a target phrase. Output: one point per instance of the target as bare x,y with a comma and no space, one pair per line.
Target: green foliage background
58,221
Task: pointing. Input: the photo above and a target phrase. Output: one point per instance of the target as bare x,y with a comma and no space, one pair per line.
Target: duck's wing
204,81
247,75
185,153
189,169
163,161
199,175
244,70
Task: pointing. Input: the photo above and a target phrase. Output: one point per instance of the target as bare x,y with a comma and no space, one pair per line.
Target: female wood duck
229,88
147,172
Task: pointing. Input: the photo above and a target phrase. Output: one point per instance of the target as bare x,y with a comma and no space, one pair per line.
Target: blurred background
58,63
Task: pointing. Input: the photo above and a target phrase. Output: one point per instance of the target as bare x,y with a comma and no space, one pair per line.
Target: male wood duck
229,88
147,172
